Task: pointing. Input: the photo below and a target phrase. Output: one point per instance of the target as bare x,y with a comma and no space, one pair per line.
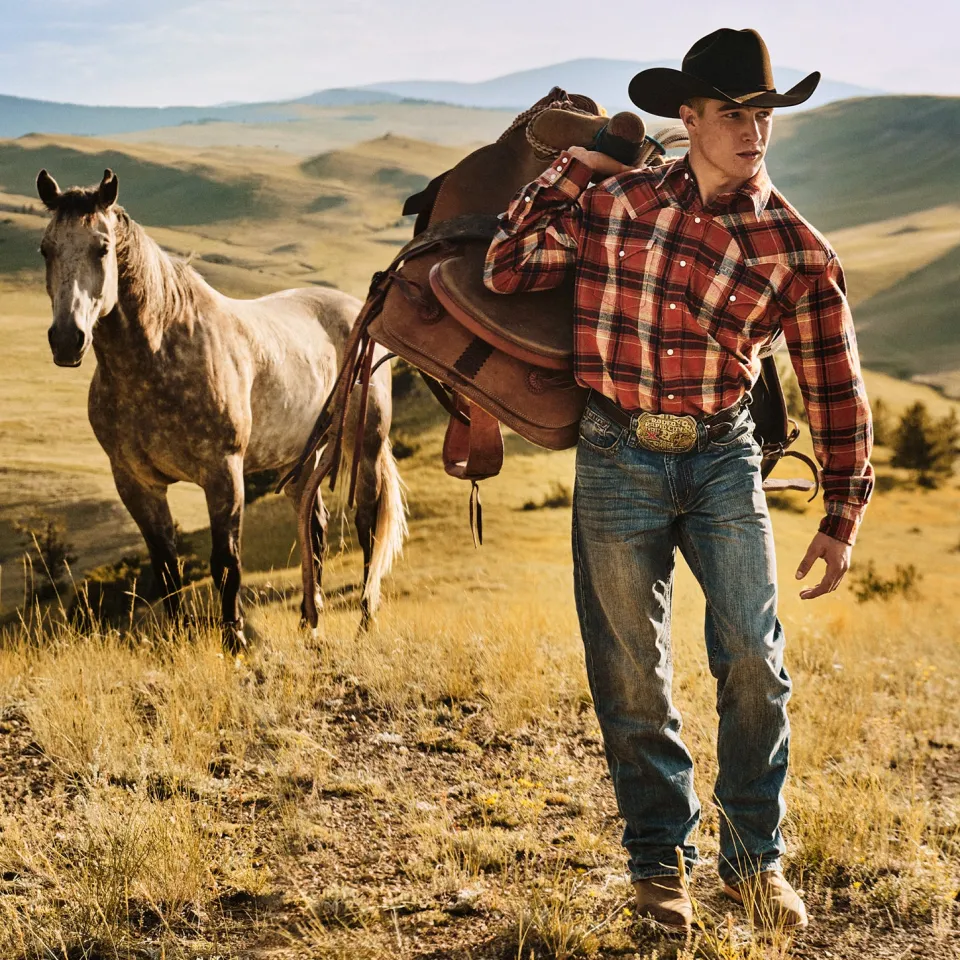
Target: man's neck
711,182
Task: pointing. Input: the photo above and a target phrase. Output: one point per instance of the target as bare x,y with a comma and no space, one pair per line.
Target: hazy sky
162,52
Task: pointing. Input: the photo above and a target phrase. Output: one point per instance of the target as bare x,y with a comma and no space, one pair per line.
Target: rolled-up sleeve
540,232
823,349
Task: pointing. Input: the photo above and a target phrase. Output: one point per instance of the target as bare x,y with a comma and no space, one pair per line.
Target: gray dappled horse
192,385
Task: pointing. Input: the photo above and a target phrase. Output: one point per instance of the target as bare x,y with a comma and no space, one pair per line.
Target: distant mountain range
604,80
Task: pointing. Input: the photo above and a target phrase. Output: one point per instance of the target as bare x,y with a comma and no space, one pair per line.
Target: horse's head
79,247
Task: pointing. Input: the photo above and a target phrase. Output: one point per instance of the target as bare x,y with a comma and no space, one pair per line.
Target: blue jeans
631,509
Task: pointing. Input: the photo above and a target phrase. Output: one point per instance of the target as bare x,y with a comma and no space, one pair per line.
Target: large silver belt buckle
666,433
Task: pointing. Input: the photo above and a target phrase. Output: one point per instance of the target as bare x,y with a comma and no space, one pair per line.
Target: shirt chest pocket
742,306
633,262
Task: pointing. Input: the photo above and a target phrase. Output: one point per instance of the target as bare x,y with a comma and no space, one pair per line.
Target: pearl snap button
526,199
623,253
696,219
683,263
732,297
670,353
673,306
669,396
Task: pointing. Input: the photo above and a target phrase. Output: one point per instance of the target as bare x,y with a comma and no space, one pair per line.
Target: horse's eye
103,249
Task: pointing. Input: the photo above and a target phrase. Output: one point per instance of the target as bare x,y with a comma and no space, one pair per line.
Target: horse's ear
109,189
48,190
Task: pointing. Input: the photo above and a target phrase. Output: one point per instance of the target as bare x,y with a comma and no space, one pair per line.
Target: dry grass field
434,788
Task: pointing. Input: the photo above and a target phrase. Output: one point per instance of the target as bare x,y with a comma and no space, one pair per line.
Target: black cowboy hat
728,65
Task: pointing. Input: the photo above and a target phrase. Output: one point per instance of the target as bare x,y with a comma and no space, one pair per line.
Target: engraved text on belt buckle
666,433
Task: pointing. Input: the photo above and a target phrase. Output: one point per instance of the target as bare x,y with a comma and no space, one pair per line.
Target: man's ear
688,116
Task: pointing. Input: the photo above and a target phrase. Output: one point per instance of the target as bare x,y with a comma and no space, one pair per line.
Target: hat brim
661,91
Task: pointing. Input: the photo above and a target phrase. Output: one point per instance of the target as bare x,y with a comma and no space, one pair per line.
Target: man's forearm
540,231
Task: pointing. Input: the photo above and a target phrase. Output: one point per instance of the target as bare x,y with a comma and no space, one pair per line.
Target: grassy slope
439,781
868,159
930,325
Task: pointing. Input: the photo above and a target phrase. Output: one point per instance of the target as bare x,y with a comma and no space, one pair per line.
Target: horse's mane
161,285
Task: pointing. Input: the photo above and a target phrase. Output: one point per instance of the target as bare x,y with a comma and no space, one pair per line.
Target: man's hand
836,555
602,165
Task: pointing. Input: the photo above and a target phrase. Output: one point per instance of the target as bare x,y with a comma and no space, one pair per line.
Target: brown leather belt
666,432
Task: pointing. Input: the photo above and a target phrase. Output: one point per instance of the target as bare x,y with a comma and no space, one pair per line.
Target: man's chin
749,165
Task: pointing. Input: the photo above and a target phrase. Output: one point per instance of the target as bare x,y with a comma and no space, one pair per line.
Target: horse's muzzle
67,348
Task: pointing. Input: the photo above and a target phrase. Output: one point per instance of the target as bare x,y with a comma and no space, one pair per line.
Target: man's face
731,138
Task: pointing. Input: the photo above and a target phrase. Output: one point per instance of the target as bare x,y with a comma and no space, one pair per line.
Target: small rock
467,901
393,739
424,805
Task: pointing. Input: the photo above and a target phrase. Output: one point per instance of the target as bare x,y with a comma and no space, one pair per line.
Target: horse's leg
224,491
365,519
318,537
149,508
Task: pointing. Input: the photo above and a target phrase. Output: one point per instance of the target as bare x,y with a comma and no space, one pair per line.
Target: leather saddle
493,359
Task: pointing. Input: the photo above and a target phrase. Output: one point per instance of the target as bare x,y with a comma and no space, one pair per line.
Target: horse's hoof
233,637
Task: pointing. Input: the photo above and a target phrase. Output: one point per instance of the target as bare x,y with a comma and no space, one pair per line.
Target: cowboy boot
771,901
664,900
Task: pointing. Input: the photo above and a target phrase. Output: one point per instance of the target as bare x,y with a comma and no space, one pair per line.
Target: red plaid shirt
675,299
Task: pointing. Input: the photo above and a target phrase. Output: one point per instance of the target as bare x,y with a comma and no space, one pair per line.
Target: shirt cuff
568,175
842,526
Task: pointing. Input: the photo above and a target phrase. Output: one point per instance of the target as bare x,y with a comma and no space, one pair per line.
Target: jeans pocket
598,433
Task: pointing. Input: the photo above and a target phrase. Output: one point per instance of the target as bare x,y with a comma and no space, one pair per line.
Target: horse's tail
391,523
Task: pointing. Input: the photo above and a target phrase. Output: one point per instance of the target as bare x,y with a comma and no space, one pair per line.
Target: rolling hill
165,193
914,326
868,159
20,115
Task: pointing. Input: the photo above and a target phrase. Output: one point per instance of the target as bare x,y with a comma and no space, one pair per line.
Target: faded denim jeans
631,509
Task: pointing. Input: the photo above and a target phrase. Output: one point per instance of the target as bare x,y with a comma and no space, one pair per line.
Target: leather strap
793,484
445,397
470,226
472,450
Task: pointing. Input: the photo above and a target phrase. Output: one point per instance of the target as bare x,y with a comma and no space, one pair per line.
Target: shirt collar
751,195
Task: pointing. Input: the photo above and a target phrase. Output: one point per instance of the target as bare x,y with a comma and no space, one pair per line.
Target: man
682,273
